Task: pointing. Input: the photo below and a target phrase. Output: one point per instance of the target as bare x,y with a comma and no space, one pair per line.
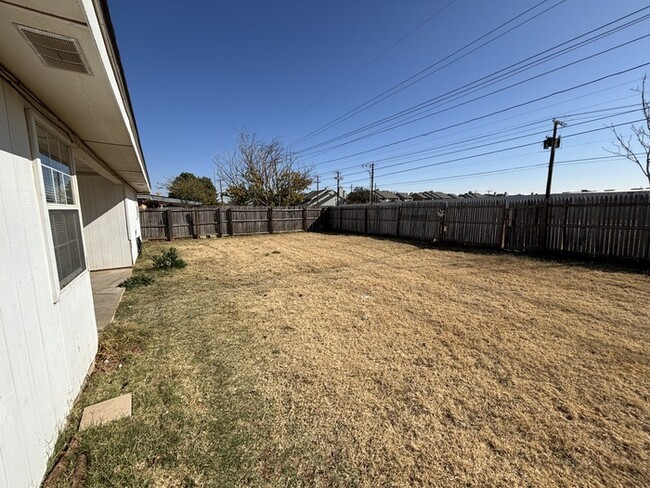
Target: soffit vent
55,50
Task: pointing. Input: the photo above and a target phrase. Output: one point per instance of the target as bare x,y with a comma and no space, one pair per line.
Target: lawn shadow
600,263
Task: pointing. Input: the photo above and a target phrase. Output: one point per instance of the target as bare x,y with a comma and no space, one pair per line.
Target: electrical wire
487,153
489,135
564,116
466,102
405,83
511,170
359,70
507,109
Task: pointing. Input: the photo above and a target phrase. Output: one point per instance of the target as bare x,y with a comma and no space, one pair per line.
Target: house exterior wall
109,232
133,220
48,338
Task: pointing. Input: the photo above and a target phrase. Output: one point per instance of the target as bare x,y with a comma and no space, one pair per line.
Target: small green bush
168,259
135,281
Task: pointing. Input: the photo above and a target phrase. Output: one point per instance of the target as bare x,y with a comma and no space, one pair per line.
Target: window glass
55,161
68,190
52,152
59,187
65,223
48,183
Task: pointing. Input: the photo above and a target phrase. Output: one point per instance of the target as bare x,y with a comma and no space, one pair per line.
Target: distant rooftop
162,200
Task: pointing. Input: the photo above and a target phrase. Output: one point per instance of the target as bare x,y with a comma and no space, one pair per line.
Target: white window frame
34,119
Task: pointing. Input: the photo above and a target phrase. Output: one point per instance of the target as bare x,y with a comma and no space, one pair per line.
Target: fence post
399,217
504,225
304,219
195,225
270,214
218,221
170,225
229,227
443,228
365,220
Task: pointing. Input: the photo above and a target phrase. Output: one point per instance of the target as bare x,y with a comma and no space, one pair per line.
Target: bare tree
259,173
636,147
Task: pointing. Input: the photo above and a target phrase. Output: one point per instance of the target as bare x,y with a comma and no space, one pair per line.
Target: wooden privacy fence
176,223
607,224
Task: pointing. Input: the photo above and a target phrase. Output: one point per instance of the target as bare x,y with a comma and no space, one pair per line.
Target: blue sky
198,72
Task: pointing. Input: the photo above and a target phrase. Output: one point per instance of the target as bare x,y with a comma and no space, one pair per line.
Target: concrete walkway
106,293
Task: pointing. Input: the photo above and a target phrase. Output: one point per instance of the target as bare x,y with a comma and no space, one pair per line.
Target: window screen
68,248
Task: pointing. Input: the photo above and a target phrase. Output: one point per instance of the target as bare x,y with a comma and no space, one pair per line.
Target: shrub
168,259
135,281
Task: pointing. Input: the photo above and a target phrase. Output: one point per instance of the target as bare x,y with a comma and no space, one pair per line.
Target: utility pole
317,190
553,143
338,178
371,169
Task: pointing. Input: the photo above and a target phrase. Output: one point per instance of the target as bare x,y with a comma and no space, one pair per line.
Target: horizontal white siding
106,232
46,348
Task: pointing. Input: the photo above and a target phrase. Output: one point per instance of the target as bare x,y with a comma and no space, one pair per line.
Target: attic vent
55,50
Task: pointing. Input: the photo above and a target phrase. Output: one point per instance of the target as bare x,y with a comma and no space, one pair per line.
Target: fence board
312,219
153,225
225,220
286,219
475,222
605,224
383,219
352,218
421,221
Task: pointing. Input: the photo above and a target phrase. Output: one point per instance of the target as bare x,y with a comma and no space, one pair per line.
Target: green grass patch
168,259
136,281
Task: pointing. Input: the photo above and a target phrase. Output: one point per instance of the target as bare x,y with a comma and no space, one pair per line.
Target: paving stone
106,411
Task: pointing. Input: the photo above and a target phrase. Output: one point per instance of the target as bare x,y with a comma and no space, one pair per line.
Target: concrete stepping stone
106,411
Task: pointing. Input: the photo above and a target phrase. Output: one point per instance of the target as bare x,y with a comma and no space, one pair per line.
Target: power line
411,114
568,114
511,170
412,120
356,72
396,88
504,110
492,134
495,151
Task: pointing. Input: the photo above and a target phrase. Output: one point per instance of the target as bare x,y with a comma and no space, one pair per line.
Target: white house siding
105,208
46,347
133,220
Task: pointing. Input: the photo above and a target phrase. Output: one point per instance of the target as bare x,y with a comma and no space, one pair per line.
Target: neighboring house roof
322,198
405,197
470,194
386,195
77,92
420,196
168,201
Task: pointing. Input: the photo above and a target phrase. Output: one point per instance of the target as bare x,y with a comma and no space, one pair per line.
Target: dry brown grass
325,360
